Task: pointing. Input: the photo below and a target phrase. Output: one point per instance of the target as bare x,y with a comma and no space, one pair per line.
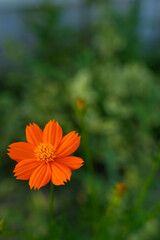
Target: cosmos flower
46,155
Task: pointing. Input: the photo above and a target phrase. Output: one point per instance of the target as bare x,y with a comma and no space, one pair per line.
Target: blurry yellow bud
80,104
120,189
1,225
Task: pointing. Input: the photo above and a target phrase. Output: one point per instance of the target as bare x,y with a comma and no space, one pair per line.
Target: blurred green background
105,60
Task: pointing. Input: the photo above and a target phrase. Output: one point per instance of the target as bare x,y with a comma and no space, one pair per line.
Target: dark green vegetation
105,64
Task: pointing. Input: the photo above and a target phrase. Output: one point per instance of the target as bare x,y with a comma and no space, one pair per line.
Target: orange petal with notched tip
25,168
21,150
60,173
68,145
52,133
41,176
34,134
71,161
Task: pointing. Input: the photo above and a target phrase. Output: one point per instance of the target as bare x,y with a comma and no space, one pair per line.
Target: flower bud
80,104
120,189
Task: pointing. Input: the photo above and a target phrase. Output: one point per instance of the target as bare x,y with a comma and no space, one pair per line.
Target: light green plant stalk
152,214
110,214
155,211
148,183
113,205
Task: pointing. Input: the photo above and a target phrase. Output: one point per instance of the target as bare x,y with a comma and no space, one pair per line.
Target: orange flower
45,155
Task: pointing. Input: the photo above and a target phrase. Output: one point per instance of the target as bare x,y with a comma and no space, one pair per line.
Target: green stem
147,184
154,212
51,203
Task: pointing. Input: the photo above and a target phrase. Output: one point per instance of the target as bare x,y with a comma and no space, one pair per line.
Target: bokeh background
106,52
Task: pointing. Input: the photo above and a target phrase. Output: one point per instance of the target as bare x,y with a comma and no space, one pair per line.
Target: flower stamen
45,152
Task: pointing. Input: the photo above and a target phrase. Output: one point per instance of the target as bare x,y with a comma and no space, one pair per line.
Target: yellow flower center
45,152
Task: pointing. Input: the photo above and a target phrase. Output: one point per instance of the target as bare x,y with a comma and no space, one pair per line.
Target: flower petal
52,133
41,176
68,145
71,161
24,169
60,173
34,134
21,150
